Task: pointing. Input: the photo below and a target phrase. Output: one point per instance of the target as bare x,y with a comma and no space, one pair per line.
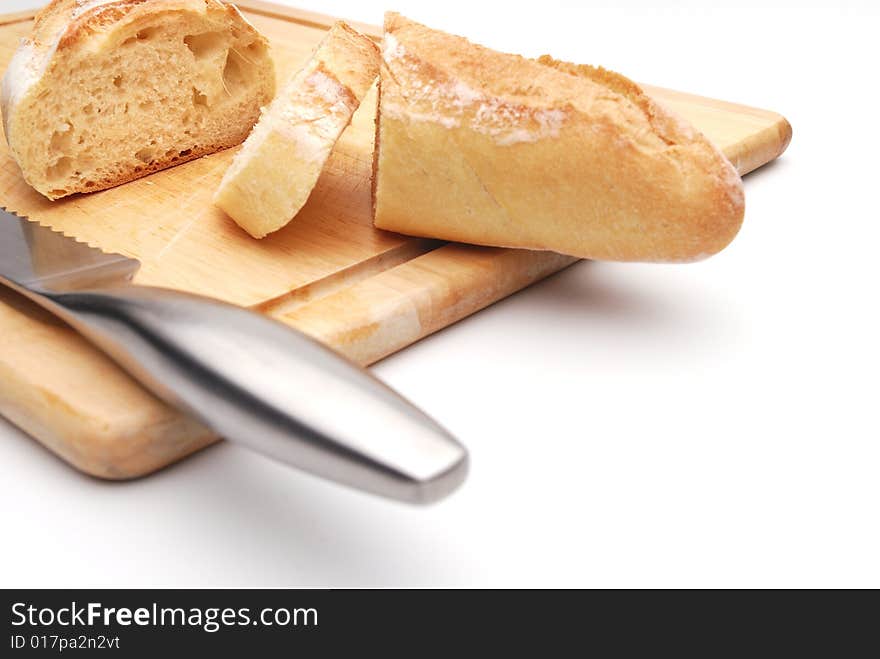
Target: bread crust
353,59
65,28
272,177
484,147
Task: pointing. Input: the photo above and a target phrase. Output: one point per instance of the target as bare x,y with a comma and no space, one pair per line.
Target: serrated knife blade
33,255
249,378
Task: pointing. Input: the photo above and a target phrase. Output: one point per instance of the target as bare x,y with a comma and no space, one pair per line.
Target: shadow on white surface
223,516
229,517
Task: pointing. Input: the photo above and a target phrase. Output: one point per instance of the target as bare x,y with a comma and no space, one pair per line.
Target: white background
713,424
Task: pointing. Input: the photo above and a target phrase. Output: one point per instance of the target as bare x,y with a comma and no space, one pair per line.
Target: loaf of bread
483,147
273,175
105,91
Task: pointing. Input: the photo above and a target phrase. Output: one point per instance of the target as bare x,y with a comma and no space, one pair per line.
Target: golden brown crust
348,51
666,127
69,22
485,147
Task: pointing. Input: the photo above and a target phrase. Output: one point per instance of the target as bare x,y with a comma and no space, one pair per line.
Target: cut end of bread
108,92
273,175
479,146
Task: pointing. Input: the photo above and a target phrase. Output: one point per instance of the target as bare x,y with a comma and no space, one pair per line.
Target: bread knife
250,379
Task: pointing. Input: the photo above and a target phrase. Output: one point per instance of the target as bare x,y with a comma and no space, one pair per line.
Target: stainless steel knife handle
265,385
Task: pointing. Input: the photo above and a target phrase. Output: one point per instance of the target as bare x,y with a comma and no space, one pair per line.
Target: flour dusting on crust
452,103
313,120
82,6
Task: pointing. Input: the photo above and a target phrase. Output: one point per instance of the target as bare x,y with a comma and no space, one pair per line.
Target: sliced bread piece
273,175
479,146
105,91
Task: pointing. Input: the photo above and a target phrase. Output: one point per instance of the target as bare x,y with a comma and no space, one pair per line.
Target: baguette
106,91
273,175
483,147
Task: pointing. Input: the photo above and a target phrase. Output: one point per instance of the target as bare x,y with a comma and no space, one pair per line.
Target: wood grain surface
364,292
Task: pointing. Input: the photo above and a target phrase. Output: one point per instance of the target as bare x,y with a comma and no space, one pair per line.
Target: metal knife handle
269,387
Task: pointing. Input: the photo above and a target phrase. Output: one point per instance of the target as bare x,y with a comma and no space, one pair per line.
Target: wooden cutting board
365,292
